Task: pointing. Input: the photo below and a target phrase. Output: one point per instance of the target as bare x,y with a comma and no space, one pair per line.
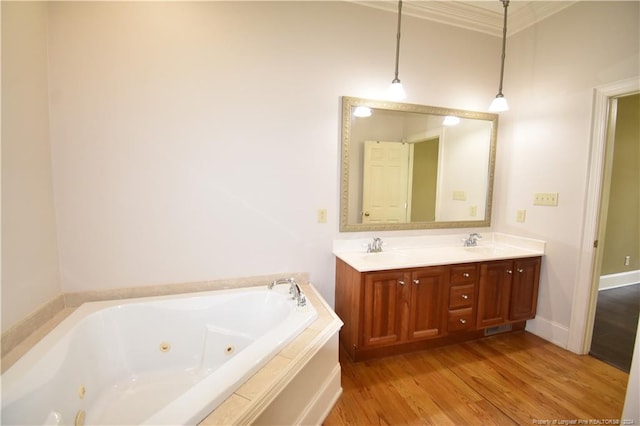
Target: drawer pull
520,270
416,282
464,296
509,271
401,282
466,275
463,321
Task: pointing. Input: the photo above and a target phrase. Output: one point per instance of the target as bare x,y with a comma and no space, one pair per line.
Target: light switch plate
545,199
322,215
459,195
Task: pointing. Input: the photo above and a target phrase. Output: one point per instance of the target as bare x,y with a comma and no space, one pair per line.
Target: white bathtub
160,360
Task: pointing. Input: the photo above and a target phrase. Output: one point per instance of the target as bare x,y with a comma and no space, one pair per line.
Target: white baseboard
619,280
551,331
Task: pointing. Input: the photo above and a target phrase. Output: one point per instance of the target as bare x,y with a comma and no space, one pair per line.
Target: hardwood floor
506,379
614,328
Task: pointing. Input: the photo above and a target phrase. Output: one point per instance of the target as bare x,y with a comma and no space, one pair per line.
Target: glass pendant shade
499,104
396,91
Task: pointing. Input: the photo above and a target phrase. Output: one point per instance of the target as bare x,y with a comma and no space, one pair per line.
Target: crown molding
481,16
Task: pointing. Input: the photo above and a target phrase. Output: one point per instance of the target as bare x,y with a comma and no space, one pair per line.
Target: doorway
586,290
618,296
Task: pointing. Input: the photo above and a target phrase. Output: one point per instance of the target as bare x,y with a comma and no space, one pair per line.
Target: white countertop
413,252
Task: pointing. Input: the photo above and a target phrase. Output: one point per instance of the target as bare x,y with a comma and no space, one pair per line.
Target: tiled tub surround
421,251
298,385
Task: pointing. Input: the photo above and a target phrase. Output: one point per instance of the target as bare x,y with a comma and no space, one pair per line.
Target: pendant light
396,91
499,104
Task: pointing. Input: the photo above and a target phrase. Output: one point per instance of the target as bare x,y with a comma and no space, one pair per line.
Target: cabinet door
384,293
494,293
428,303
524,289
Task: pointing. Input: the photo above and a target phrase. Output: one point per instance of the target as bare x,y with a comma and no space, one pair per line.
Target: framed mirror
407,166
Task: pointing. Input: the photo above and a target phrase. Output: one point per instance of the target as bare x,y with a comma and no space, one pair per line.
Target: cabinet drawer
461,320
464,274
461,296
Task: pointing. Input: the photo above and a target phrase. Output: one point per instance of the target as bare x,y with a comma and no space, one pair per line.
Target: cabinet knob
463,321
520,270
509,271
416,282
401,282
466,275
464,296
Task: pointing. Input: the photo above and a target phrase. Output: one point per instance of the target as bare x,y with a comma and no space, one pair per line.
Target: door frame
589,262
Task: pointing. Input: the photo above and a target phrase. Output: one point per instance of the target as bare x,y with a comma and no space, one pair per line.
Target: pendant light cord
505,3
396,80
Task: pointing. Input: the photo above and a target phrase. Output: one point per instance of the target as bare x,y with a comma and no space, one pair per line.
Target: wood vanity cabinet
494,292
401,306
400,310
508,291
523,301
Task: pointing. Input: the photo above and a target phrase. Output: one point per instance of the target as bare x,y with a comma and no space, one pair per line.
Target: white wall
544,140
30,274
197,140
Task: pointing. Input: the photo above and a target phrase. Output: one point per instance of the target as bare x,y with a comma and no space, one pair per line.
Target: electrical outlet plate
521,215
545,199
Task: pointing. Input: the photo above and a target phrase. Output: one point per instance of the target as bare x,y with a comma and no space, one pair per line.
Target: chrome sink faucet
375,246
294,290
472,240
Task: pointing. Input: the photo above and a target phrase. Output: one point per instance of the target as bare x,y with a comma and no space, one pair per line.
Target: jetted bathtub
159,360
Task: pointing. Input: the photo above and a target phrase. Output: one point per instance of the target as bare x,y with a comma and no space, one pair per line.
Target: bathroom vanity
417,297
404,168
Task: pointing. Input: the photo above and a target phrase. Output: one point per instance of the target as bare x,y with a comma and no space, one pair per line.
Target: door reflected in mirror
408,166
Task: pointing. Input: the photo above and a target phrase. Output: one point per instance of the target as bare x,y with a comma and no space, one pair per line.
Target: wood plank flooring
615,324
505,379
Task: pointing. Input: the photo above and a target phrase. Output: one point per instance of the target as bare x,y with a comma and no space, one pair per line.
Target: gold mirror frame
348,103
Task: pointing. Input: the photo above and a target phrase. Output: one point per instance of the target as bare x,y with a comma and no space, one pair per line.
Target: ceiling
485,16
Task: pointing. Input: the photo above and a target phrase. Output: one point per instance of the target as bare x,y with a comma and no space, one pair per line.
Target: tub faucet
280,281
375,246
297,294
294,290
472,240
